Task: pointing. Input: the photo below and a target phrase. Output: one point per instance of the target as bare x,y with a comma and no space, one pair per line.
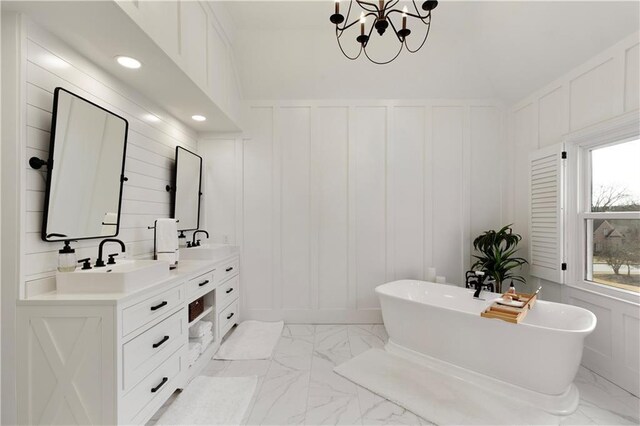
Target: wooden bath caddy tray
511,313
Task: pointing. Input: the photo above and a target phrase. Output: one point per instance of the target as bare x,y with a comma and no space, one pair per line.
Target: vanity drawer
227,318
160,383
201,283
138,315
145,352
228,269
228,291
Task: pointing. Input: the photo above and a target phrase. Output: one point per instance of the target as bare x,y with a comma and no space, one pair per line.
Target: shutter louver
546,214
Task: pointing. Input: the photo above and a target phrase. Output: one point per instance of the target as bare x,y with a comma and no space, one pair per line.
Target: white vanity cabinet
116,358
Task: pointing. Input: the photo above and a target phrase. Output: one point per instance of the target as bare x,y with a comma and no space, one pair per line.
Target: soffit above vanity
102,30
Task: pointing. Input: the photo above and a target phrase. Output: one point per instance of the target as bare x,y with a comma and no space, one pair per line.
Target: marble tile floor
298,385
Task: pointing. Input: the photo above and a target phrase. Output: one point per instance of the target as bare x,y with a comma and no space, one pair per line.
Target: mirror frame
51,165
175,183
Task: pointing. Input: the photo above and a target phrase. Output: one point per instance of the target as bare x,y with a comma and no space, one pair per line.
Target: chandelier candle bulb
337,6
363,20
404,18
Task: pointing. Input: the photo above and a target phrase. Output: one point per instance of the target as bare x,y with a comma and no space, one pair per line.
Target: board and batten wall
329,199
605,87
41,62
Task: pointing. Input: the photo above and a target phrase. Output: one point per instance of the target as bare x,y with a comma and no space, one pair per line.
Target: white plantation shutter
546,224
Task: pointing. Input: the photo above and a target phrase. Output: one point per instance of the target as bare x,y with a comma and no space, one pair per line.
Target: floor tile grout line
313,351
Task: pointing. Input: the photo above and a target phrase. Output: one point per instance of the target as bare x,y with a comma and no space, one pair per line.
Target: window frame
578,189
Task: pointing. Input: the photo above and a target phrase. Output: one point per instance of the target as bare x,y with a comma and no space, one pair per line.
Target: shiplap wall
603,88
150,153
339,197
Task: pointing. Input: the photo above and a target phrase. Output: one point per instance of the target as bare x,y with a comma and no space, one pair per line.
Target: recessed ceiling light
128,62
199,117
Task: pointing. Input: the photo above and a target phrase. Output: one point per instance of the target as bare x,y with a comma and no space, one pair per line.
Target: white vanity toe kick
135,342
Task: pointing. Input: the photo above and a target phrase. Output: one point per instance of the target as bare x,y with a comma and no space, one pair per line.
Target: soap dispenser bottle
67,259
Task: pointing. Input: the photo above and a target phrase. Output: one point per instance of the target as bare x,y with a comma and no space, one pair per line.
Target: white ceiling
503,50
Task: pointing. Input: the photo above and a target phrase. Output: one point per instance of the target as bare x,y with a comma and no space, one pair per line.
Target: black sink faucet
100,261
195,243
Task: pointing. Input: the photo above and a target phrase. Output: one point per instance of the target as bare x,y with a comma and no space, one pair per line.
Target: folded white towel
203,340
200,328
167,240
194,352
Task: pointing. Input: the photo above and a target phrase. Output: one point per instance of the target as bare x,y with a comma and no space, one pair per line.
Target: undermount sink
124,276
207,251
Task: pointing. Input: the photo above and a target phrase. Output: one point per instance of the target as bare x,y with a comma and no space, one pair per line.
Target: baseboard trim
369,316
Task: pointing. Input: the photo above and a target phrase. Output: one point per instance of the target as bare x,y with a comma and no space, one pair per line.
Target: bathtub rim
563,404
487,303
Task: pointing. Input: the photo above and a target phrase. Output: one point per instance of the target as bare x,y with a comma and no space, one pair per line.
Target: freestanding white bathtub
440,326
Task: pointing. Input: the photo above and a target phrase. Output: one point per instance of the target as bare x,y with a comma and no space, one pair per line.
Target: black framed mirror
87,151
188,189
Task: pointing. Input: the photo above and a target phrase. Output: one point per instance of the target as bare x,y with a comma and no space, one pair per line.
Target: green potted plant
497,255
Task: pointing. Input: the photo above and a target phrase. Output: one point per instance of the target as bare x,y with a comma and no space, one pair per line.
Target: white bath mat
251,340
211,401
434,396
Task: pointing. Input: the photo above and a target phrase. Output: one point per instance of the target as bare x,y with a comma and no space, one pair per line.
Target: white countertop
186,270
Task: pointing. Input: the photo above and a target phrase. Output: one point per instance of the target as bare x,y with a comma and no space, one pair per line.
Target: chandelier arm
386,62
390,5
400,39
422,18
345,53
423,41
413,15
348,26
362,4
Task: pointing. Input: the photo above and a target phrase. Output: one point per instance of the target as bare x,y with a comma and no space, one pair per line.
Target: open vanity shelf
129,351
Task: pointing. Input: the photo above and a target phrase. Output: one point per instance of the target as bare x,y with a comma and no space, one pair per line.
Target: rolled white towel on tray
203,340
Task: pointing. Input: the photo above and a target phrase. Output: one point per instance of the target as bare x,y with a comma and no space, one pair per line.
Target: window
611,215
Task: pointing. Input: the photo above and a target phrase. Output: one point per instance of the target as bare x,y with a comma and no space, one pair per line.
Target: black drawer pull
164,380
164,339
203,283
230,268
230,315
155,308
229,291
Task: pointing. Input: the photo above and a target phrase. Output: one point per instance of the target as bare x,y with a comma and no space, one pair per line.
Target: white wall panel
257,264
407,191
330,154
295,140
370,137
193,39
593,96
220,187
338,198
632,77
217,67
448,216
488,161
553,120
160,19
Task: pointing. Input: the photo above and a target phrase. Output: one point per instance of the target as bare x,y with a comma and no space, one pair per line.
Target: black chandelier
382,14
